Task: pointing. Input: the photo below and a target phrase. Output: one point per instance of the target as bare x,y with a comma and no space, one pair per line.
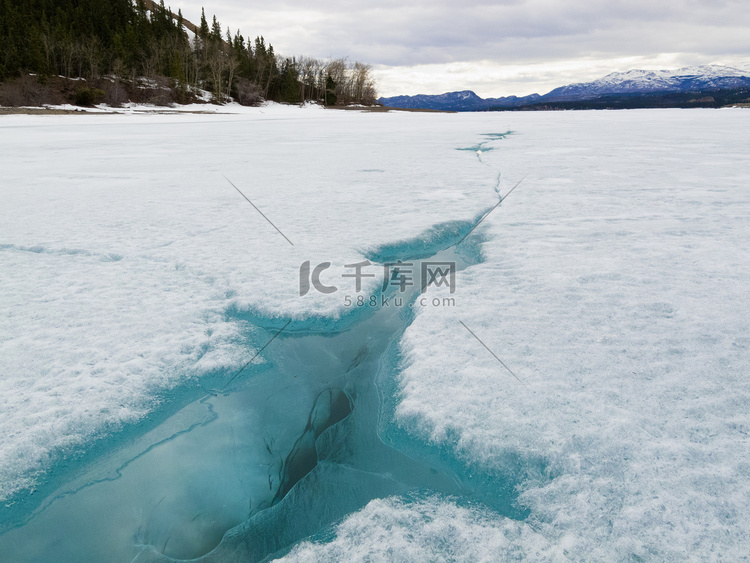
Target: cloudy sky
495,48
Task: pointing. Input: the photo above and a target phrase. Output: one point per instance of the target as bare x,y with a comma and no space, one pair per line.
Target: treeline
138,42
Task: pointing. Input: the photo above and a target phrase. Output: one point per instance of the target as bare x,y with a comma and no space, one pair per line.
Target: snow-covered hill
464,100
687,79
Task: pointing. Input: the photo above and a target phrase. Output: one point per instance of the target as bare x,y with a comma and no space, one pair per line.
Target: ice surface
125,251
613,284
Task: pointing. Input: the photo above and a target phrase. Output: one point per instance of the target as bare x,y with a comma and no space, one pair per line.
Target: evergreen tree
330,92
204,25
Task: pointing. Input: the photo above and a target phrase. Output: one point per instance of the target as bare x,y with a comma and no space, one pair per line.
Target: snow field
614,285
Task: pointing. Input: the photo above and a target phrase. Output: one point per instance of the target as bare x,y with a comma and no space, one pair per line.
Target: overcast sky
494,48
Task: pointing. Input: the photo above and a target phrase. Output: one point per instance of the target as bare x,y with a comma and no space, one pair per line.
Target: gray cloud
519,32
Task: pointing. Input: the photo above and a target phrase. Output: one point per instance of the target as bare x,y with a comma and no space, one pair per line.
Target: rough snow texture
615,286
429,529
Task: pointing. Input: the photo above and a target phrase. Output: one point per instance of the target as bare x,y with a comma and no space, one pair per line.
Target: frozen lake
135,283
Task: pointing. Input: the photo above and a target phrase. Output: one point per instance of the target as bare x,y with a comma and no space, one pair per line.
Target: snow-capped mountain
705,78
687,79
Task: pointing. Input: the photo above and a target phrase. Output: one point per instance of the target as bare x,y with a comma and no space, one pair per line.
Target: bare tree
91,53
49,44
336,69
118,70
217,62
363,84
67,52
232,63
195,61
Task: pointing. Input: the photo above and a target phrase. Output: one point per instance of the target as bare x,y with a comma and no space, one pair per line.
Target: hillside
114,51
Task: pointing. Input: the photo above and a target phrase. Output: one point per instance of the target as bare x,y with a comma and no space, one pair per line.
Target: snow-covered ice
123,246
615,285
613,282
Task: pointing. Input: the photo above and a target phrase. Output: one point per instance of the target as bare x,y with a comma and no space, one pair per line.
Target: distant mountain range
685,87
